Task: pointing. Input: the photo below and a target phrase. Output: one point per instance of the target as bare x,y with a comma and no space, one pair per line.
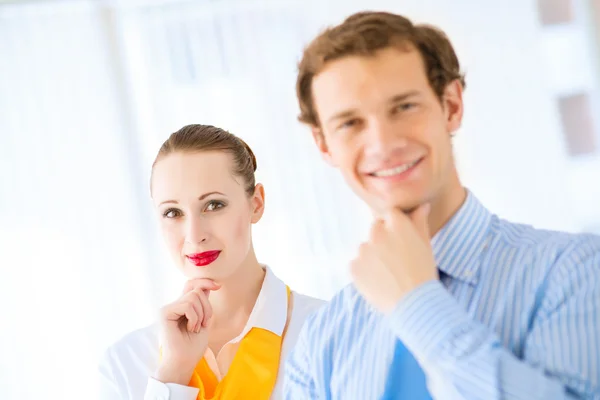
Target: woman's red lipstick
203,259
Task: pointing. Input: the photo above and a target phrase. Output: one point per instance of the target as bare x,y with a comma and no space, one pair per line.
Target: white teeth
395,171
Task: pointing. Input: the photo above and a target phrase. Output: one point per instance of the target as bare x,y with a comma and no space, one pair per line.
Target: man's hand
396,259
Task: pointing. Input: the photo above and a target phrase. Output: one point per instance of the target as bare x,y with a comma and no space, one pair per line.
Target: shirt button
486,244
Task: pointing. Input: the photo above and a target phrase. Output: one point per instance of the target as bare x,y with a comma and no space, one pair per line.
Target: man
448,301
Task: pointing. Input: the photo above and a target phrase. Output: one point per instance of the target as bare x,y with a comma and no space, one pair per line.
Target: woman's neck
234,301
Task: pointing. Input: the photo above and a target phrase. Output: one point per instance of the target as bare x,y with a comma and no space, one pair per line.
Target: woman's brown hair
198,138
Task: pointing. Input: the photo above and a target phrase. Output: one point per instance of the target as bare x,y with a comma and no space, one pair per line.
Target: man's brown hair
365,33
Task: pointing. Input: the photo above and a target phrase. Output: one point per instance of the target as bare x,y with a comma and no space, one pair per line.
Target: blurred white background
90,89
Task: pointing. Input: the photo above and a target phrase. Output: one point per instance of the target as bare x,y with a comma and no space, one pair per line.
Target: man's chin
407,206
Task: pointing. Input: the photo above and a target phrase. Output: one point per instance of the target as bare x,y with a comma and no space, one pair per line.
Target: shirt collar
458,245
271,307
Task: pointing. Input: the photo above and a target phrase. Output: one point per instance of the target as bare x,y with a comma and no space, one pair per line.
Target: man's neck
445,206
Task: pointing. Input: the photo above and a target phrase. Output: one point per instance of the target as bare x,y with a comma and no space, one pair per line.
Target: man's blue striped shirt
515,315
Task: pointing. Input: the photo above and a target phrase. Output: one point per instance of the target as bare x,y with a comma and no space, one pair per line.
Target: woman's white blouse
127,366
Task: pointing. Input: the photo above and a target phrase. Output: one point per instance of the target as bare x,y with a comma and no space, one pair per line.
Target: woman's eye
214,205
171,213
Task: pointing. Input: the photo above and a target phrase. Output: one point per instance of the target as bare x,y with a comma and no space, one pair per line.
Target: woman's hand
184,332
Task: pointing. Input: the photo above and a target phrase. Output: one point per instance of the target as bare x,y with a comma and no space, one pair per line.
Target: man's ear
453,106
321,143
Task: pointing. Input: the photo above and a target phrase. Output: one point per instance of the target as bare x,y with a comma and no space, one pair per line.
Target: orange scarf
252,373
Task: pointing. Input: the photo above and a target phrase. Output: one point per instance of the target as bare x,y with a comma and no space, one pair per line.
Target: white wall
88,91
510,150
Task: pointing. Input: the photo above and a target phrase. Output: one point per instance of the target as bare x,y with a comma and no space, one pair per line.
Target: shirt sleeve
299,382
112,384
561,358
156,390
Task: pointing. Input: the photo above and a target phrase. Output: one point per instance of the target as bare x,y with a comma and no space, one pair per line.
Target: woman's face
205,213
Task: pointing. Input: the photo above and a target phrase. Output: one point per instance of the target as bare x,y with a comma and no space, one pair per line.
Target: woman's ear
258,202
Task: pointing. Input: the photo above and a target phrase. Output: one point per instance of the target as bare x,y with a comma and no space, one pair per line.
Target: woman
227,335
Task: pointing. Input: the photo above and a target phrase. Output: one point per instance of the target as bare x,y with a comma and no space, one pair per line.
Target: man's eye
348,124
406,106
